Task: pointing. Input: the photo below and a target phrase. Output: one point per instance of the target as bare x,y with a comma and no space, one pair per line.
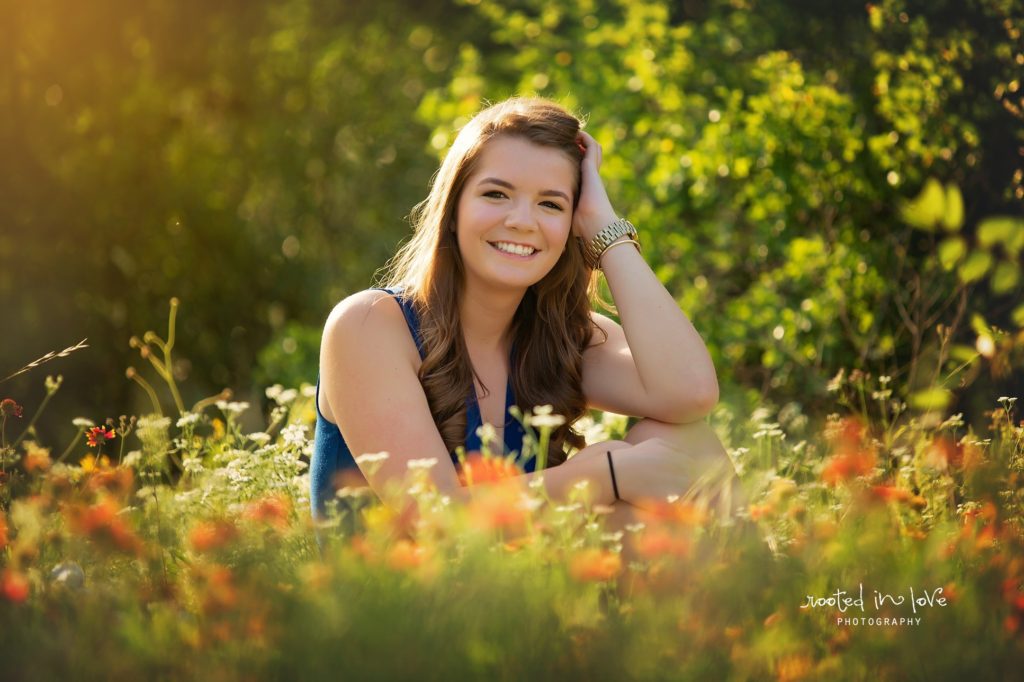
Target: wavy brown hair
552,325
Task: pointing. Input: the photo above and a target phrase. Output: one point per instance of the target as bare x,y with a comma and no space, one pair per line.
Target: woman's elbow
695,404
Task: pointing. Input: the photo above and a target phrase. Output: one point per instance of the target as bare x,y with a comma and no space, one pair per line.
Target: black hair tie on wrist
615,486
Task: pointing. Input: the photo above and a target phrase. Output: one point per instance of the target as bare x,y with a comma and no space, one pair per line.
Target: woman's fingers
592,149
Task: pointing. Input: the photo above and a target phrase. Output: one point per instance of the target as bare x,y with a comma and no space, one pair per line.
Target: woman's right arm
368,374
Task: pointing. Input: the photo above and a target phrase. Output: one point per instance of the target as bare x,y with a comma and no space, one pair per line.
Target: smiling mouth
516,250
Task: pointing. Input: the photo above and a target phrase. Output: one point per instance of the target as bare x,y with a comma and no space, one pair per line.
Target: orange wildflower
272,510
654,542
103,522
36,459
686,514
220,593
207,536
846,466
3,530
120,480
760,511
406,555
794,667
479,469
853,457
501,507
890,493
14,586
595,565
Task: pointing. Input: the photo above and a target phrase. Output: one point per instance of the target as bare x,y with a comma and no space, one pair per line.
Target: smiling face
514,214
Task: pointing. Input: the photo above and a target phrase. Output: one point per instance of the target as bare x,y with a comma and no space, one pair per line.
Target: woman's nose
520,215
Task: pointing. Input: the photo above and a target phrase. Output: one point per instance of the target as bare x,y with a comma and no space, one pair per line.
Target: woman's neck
486,319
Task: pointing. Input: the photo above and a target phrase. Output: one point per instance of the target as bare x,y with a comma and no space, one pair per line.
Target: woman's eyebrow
509,185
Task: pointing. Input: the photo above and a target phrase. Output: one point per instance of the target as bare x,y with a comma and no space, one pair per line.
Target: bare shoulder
364,332
364,308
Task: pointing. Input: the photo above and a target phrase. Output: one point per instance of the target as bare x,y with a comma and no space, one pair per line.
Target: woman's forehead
521,162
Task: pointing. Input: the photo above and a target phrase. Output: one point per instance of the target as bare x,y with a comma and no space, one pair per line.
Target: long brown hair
552,325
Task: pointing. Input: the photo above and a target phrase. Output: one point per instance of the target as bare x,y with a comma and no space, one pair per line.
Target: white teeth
514,248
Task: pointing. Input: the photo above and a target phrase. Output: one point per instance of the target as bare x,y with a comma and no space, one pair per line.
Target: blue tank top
331,454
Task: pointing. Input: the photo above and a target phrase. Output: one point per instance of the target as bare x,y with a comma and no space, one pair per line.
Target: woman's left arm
655,364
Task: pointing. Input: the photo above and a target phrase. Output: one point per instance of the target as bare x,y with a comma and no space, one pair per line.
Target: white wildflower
530,503
232,408
274,391
193,465
83,422
132,458
187,496
259,437
308,391
487,433
371,457
547,421
153,423
294,434
188,419
635,527
425,463
672,499
612,537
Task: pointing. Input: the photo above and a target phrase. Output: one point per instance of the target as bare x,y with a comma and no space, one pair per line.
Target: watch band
596,246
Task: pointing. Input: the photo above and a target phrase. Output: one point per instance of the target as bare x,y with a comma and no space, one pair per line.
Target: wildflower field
832,193
878,545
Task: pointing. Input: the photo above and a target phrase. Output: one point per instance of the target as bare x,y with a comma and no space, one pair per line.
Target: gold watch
593,249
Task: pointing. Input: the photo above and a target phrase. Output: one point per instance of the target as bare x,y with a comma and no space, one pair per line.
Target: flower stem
32,421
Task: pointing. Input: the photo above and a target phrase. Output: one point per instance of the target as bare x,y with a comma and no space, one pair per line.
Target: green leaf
951,252
931,399
1018,316
927,208
998,229
962,353
1005,277
953,218
975,267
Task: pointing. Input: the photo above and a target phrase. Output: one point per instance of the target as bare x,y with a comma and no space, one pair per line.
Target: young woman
489,306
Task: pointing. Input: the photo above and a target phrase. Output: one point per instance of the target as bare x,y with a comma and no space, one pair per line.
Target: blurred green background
258,160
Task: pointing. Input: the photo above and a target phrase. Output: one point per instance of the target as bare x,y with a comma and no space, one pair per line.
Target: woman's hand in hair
594,211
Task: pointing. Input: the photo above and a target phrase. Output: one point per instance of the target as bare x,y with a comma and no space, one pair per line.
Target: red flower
9,408
14,586
97,434
3,530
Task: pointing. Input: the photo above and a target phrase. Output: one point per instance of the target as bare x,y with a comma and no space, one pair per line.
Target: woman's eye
494,193
553,205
